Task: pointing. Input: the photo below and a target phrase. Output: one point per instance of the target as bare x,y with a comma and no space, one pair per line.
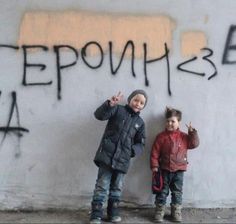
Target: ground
129,215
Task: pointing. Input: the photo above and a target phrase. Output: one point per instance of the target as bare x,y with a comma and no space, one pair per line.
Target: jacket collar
172,132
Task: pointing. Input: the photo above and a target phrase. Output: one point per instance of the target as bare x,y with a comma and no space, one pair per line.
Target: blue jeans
109,182
172,181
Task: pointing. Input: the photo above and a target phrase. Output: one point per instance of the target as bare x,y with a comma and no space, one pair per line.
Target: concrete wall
49,135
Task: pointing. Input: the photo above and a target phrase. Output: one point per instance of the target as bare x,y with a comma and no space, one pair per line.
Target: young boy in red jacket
169,154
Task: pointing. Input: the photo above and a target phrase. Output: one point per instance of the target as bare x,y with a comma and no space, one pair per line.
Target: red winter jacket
169,151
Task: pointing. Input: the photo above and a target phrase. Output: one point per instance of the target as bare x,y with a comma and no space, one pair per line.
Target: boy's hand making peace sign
190,128
116,99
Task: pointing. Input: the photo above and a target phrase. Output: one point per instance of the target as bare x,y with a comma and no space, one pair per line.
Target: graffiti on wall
150,40
17,130
60,66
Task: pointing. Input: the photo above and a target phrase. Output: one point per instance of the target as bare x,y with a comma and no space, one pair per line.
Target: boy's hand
116,99
154,169
190,128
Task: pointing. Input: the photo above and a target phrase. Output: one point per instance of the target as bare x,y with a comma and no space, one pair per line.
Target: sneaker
96,221
115,219
176,213
159,213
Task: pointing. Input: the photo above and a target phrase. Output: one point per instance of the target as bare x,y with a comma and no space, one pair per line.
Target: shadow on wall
71,171
137,187
63,175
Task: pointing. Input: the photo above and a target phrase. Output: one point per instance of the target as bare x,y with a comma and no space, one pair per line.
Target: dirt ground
129,215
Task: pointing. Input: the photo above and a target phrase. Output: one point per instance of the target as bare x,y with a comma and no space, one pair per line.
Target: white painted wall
52,165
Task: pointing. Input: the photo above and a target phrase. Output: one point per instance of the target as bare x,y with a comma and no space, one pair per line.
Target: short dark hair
171,112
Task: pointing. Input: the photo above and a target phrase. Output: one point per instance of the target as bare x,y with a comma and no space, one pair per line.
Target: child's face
172,123
137,103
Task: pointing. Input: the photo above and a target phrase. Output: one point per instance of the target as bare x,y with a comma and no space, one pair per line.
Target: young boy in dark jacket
123,138
169,154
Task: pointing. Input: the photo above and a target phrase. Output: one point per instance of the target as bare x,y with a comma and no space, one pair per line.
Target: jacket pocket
181,157
107,146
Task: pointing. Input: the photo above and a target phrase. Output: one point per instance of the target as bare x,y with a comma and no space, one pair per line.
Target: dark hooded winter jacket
123,138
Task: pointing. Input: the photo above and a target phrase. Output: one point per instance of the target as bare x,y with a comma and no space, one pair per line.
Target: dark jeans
109,182
172,181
